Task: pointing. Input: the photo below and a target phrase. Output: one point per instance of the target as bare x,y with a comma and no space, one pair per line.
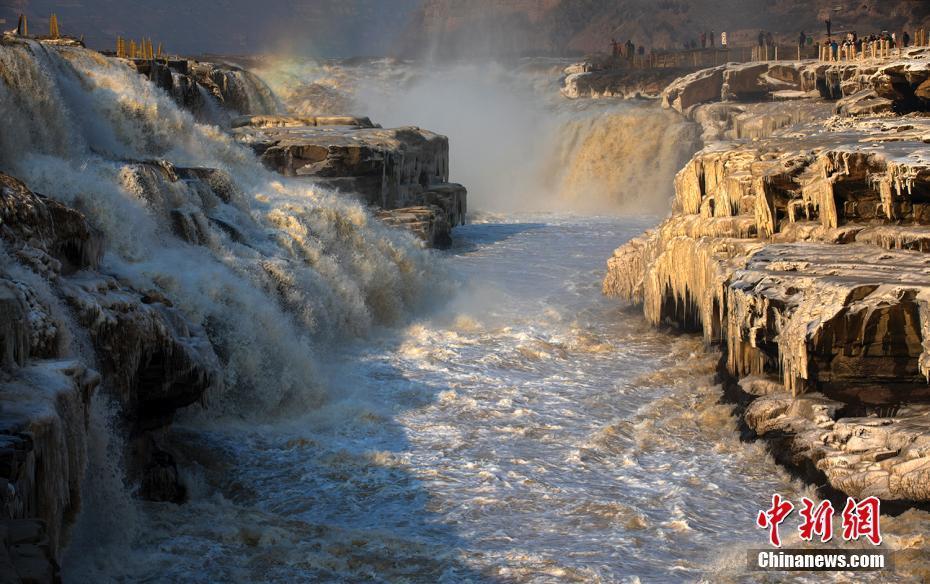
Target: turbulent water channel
391,414
529,431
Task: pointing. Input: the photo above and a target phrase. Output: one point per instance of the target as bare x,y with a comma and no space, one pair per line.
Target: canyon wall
797,243
452,28
561,27
150,359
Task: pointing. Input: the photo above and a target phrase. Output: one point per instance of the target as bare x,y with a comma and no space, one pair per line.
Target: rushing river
530,430
395,415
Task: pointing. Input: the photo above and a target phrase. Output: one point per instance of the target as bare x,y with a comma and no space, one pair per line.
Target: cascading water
620,160
305,266
526,430
517,145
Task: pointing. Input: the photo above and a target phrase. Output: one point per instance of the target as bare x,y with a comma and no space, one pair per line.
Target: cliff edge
799,246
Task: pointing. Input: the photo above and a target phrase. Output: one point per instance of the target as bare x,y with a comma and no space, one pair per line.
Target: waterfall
272,268
514,142
625,158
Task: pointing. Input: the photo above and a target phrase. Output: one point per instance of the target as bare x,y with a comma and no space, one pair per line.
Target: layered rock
429,223
901,84
203,87
626,83
394,170
806,262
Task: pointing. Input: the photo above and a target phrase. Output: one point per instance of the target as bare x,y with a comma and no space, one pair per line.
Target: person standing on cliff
802,39
630,49
712,33
724,42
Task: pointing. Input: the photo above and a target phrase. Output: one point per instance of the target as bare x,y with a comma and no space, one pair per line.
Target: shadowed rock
202,86
152,361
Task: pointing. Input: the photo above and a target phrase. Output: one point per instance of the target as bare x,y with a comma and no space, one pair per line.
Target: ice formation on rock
800,250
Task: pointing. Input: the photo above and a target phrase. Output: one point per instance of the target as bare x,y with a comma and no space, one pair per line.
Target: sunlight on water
389,413
530,432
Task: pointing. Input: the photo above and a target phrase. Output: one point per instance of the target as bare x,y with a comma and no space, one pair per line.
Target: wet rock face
43,447
403,172
155,360
152,362
29,220
194,84
806,261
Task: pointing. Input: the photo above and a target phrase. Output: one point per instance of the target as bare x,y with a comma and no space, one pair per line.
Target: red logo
817,521
860,519
772,518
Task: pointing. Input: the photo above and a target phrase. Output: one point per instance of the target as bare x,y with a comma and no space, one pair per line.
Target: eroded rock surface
579,82
394,170
800,248
879,86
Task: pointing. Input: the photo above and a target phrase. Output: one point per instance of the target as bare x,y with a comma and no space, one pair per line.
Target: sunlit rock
622,82
800,249
391,169
903,82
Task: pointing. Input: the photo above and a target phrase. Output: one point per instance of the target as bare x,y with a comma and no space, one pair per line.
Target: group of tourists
852,43
855,45
627,50
707,38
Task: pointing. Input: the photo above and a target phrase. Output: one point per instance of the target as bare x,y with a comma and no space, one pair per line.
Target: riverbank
798,248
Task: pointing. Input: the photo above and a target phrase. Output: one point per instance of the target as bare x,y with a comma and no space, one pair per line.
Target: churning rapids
392,414
529,432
